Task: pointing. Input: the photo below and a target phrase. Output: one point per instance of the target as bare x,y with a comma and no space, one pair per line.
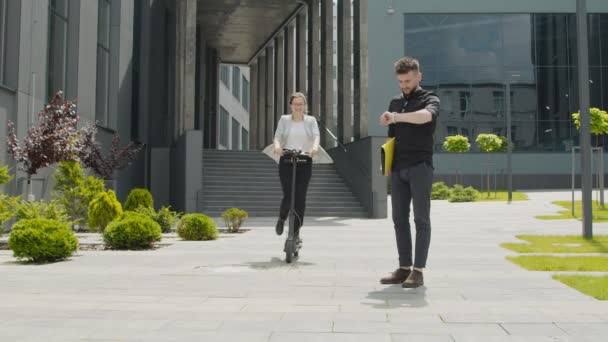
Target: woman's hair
301,96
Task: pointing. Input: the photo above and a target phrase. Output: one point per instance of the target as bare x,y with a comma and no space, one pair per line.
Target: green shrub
27,210
139,198
457,144
74,191
197,227
5,176
42,240
103,209
440,191
7,204
488,142
165,217
504,144
6,210
134,231
461,194
234,218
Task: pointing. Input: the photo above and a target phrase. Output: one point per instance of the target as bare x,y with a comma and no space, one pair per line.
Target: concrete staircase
249,180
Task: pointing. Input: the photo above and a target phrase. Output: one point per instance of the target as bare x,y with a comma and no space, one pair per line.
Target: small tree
488,143
504,145
599,122
234,218
457,144
117,158
56,138
74,190
599,125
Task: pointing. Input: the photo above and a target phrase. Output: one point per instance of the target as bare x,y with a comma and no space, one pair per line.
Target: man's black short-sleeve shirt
413,143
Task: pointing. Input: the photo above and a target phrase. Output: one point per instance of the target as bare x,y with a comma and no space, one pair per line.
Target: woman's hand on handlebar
278,150
313,152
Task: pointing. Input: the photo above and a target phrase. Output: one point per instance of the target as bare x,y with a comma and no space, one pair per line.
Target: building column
185,65
262,75
253,106
344,71
327,79
211,104
269,122
300,44
289,71
279,78
314,58
360,69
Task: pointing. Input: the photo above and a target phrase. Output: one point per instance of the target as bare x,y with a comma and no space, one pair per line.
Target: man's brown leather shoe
397,277
415,279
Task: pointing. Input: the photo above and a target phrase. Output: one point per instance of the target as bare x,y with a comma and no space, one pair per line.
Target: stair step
273,202
274,214
256,172
249,180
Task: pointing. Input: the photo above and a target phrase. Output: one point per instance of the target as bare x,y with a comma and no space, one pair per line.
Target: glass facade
3,19
245,139
468,59
224,117
236,134
102,96
58,45
225,75
236,83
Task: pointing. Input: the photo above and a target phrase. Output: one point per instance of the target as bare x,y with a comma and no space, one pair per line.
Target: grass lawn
501,196
596,287
599,214
558,244
556,263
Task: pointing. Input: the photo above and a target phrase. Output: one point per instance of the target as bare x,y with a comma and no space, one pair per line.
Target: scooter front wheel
289,251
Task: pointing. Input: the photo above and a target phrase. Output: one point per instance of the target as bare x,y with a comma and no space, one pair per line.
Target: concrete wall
186,171
359,166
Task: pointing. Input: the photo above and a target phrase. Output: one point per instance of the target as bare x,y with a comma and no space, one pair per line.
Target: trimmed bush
139,198
134,231
234,218
42,240
440,191
461,194
103,209
165,217
197,227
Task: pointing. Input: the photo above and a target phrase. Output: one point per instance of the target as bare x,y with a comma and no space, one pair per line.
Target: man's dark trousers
412,184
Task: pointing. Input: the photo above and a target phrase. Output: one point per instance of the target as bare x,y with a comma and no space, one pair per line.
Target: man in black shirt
411,119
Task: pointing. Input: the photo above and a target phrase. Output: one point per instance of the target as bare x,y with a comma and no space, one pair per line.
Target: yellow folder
386,153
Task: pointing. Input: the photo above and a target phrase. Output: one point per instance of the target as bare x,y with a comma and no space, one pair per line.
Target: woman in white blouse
295,131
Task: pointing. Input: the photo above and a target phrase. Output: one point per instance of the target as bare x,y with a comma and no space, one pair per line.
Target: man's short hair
407,64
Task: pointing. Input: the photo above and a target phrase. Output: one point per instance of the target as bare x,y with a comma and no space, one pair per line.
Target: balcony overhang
239,29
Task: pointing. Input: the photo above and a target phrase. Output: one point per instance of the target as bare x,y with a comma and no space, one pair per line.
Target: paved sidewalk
239,289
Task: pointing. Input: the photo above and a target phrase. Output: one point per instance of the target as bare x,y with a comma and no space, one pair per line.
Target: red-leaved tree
105,165
55,139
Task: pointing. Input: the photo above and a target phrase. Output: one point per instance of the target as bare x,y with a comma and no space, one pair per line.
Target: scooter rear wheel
289,251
